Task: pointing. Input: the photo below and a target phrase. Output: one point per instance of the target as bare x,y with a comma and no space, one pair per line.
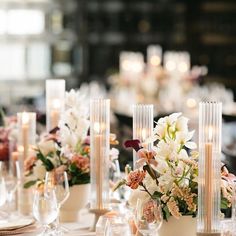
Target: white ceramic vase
185,226
79,197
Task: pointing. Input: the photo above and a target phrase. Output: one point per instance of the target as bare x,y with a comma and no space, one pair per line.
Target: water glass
45,208
148,216
58,181
117,226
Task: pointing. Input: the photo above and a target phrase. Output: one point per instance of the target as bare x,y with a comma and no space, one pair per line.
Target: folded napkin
19,226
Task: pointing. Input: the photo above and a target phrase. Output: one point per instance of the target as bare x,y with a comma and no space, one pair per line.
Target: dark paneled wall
205,28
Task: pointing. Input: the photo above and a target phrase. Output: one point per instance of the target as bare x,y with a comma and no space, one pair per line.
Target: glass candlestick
55,99
210,125
154,55
26,122
131,66
100,146
26,142
142,125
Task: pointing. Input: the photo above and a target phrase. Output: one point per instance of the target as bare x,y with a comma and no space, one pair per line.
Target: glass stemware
9,181
59,182
148,216
45,208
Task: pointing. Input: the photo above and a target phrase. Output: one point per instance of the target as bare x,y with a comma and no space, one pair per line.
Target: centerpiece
65,148
169,173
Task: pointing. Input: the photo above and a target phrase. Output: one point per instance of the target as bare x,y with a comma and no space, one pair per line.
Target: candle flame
143,134
97,127
25,118
210,133
56,103
155,60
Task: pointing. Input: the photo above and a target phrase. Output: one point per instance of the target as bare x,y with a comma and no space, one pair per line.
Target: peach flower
81,162
135,178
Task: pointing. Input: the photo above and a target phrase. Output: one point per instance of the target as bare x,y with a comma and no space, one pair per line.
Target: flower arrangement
8,132
67,147
169,172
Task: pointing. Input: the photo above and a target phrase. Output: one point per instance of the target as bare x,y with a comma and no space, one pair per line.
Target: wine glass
148,216
45,208
59,182
9,182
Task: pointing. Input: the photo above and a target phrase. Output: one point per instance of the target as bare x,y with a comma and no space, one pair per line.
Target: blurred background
81,41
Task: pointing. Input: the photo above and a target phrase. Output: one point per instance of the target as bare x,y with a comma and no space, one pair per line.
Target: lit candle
55,98
98,154
55,113
154,54
142,125
209,168
208,181
25,134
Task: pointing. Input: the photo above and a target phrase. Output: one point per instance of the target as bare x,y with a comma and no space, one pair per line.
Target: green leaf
224,204
46,162
166,213
118,184
157,195
30,183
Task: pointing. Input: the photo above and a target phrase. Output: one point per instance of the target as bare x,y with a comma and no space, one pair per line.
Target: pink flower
135,178
146,156
81,162
59,174
148,211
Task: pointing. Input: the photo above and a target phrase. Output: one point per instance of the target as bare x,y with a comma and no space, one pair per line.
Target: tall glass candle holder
142,125
100,146
131,66
25,143
154,55
210,125
55,98
177,63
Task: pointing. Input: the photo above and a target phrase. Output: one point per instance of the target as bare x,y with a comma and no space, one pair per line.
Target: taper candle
210,123
142,125
55,99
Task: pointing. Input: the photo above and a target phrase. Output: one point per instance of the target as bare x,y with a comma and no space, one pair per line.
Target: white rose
39,170
46,147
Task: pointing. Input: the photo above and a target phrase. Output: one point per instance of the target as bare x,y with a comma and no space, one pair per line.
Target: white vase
79,197
185,226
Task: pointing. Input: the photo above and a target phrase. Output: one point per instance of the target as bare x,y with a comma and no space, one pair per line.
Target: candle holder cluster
55,97
142,125
210,125
177,63
131,65
100,146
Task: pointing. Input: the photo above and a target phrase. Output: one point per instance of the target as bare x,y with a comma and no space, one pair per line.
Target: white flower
182,124
114,154
184,138
135,195
39,170
47,146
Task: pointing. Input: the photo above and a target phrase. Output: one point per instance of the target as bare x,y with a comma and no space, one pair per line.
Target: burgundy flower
135,178
134,143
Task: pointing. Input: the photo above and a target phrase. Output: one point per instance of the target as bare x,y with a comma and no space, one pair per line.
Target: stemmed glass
9,181
148,216
58,180
45,209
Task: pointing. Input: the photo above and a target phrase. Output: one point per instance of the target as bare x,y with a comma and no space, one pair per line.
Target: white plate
17,223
